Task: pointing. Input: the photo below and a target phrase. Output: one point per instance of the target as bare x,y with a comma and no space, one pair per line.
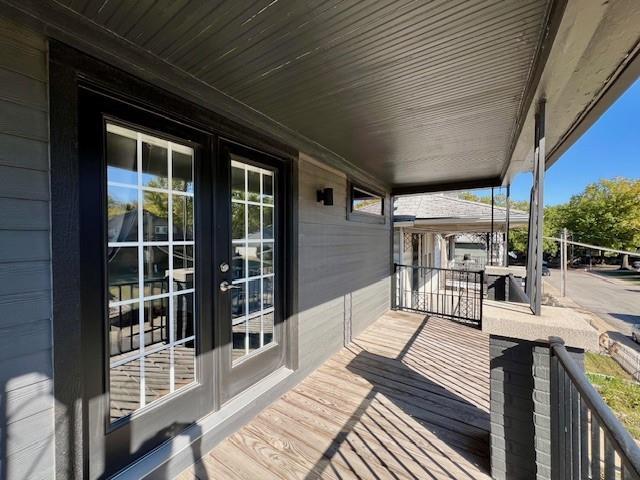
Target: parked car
635,333
545,270
554,262
636,265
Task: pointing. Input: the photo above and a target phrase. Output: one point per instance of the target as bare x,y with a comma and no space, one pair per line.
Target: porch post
491,237
563,262
536,215
394,302
506,227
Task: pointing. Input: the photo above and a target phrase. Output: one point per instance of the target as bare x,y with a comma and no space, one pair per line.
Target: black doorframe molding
68,70
71,450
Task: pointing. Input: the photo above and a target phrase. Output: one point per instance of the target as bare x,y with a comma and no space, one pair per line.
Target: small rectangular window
365,205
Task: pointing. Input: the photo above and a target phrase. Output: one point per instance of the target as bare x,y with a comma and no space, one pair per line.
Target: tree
606,214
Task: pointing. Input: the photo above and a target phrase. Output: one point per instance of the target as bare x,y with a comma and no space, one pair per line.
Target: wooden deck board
409,398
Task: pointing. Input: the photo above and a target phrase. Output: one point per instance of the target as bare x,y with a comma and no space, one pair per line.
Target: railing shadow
401,405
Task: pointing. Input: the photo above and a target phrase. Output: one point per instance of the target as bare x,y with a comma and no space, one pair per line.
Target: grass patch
623,397
604,365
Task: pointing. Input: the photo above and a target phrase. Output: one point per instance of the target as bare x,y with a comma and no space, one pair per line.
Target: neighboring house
442,231
267,139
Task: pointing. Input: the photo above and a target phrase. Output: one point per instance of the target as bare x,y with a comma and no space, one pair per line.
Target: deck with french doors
408,398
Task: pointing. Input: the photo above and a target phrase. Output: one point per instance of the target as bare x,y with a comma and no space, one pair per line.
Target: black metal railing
124,320
587,440
455,294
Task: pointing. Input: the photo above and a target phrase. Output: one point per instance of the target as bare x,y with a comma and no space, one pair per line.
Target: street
617,302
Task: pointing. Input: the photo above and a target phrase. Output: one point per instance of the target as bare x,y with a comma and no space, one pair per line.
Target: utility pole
563,263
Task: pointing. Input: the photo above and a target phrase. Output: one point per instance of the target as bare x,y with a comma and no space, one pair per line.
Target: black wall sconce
325,196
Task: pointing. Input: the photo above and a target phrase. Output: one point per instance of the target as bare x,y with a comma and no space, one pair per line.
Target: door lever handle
226,286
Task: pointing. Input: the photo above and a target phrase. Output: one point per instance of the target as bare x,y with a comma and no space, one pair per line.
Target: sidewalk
552,295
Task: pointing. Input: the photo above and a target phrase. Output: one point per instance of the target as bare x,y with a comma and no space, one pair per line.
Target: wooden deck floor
409,398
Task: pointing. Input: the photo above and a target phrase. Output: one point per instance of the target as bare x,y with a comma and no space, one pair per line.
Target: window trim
364,217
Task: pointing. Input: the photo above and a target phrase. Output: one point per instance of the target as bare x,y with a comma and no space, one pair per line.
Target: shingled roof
442,209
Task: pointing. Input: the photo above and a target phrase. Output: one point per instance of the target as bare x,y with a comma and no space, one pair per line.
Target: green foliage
606,213
604,365
623,397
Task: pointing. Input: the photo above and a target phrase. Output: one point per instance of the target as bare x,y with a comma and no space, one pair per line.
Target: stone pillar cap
515,320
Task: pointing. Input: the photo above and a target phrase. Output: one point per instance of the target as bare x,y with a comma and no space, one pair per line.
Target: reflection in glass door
150,269
252,234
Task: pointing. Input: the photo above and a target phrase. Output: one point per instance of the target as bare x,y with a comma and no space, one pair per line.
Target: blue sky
610,148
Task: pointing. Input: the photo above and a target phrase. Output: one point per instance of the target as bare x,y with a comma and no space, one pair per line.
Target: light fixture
325,196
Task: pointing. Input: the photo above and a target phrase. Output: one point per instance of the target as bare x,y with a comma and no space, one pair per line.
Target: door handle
226,286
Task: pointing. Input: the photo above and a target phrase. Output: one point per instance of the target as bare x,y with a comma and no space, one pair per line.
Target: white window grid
260,242
143,352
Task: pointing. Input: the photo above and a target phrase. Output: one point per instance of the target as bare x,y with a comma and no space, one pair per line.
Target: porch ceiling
412,92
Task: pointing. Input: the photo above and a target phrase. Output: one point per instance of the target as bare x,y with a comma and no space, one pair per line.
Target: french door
183,278
251,286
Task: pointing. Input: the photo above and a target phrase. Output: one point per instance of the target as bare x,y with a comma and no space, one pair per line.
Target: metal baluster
467,296
459,275
431,276
438,299
595,447
562,423
442,292
609,459
401,291
584,440
554,413
575,431
481,294
453,282
568,420
475,297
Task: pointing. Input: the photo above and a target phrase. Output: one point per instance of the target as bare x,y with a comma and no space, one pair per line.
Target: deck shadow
403,402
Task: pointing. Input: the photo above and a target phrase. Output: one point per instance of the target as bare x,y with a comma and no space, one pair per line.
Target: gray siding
26,404
344,267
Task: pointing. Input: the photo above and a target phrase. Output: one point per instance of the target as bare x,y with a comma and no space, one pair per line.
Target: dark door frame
69,71
111,444
236,378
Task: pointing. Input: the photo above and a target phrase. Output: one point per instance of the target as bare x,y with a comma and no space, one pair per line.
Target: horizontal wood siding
343,267
26,405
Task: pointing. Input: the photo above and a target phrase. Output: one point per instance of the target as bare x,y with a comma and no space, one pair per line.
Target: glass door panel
252,315
150,269
252,258
145,202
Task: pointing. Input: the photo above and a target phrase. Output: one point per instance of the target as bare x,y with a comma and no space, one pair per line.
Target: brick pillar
520,409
